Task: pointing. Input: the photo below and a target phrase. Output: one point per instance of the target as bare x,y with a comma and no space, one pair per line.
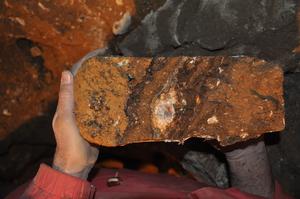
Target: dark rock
212,25
24,150
284,156
206,166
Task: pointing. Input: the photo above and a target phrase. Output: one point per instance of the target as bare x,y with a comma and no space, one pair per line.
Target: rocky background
39,39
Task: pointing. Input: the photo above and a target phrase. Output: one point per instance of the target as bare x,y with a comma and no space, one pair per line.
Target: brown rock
121,100
65,30
24,90
56,34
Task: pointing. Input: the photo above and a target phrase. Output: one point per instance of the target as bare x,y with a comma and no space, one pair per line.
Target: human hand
73,155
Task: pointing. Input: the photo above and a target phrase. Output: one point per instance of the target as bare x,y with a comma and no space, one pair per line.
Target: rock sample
122,100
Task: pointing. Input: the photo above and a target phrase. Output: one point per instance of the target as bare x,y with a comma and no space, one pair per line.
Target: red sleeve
52,184
233,193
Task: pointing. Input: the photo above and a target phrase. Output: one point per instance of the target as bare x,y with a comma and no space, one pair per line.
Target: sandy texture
121,100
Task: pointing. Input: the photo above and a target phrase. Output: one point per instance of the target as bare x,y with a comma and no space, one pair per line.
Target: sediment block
122,100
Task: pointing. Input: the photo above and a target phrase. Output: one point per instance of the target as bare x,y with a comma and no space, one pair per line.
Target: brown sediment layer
121,100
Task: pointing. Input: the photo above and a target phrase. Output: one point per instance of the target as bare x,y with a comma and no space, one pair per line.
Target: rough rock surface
26,87
65,30
209,24
39,39
206,166
284,154
121,100
296,51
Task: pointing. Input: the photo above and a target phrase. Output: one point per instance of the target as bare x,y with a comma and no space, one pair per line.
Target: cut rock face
122,100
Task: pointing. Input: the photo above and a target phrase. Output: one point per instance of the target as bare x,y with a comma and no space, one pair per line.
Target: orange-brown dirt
39,39
122,100
65,30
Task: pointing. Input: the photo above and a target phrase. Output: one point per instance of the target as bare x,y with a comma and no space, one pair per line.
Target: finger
76,66
93,154
66,96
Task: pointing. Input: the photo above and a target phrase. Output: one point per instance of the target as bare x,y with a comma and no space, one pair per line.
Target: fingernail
65,77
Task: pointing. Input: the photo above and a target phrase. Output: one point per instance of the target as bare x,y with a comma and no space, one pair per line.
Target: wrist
82,173
74,167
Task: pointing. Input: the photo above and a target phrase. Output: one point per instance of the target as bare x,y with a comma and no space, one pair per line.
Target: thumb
66,98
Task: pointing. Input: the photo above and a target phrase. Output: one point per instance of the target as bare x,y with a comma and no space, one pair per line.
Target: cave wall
39,39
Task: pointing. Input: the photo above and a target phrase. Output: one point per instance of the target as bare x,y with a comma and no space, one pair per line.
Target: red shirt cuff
62,185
